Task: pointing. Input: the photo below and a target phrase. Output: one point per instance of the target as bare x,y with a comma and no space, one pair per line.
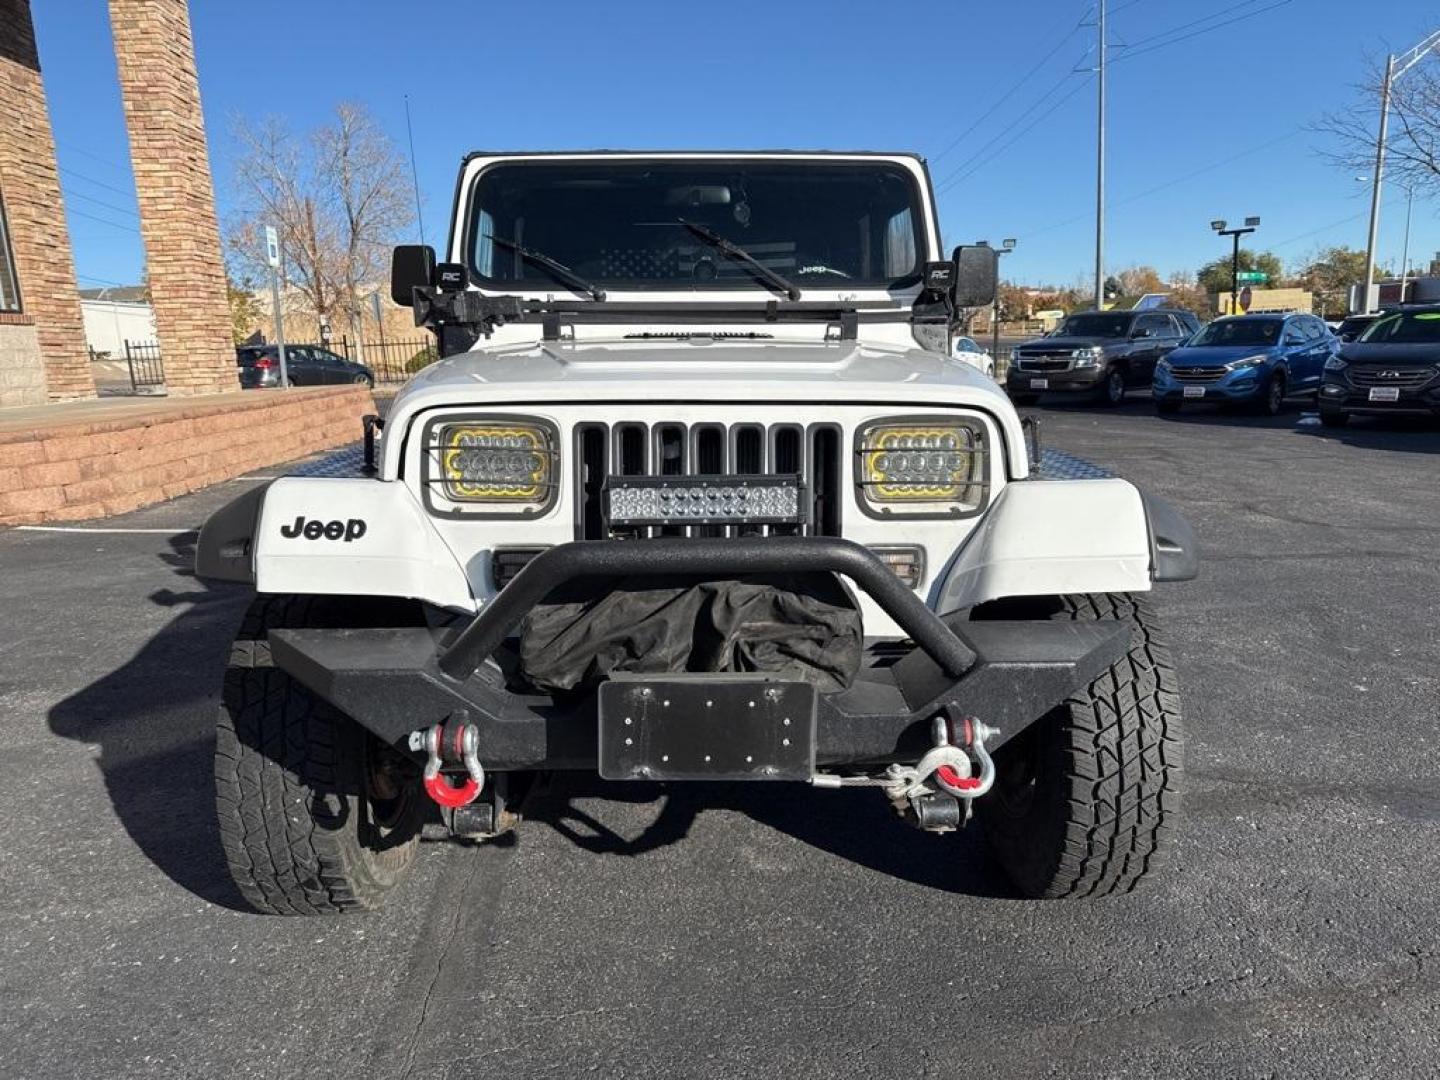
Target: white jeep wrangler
695,492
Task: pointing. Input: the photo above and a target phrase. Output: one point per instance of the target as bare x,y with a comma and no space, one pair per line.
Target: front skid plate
389,681
706,727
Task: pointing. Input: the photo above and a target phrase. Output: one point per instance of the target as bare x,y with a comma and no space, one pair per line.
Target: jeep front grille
671,448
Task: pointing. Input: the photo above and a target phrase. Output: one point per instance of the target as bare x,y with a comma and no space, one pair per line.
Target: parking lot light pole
1006,246
1251,224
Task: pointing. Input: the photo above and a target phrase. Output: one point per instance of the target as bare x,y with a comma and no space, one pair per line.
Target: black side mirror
412,266
975,276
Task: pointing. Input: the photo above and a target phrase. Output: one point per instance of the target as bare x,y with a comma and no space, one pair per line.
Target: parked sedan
1260,360
305,365
1394,369
968,351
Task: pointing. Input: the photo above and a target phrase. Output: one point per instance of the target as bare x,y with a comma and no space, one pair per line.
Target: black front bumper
1338,396
394,681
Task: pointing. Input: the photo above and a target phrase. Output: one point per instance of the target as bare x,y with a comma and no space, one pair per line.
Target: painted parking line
101,531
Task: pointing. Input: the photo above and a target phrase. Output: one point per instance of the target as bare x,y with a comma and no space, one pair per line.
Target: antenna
414,176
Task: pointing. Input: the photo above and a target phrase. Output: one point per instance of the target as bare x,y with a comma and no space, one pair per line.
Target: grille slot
671,448
591,465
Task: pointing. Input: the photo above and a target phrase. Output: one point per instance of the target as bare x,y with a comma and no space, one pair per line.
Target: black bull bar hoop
394,681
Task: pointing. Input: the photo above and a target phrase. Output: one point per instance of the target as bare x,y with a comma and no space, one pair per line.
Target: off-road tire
302,829
1086,799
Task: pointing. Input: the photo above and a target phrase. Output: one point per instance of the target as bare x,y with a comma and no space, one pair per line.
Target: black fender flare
225,550
1174,554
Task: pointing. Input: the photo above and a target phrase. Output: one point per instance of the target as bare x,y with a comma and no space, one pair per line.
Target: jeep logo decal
315,529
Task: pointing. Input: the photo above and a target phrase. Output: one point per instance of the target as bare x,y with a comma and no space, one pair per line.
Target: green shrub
422,359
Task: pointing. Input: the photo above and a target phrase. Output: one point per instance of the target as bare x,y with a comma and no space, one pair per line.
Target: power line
1006,96
72,194
1182,178
97,183
980,159
1321,229
103,221
1133,51
1194,22
965,168
108,162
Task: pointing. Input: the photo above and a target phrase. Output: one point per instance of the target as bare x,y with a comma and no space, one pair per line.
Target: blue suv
1258,360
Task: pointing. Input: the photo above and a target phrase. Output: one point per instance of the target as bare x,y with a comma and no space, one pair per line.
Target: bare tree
339,199
1412,155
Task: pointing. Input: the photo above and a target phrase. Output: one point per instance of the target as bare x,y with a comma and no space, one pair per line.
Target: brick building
43,356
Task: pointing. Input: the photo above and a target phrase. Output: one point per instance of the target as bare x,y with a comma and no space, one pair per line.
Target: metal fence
391,361
147,370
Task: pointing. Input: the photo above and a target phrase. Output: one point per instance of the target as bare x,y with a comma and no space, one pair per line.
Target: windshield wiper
559,269
740,255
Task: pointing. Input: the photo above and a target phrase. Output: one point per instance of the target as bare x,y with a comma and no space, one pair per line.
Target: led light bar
705,500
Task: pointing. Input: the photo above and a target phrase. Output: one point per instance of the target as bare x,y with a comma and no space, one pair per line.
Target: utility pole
1405,251
1395,67
1100,174
1365,306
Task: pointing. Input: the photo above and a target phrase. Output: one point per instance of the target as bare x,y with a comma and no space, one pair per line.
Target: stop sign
1245,297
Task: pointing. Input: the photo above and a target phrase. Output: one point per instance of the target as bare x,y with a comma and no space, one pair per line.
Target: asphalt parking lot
751,931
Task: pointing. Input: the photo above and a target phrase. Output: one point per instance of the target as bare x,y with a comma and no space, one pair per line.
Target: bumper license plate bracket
1194,391
1384,393
706,727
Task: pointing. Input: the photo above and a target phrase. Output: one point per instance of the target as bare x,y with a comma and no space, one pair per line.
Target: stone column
161,92
38,234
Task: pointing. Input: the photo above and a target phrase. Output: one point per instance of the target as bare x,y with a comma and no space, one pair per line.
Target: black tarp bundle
804,627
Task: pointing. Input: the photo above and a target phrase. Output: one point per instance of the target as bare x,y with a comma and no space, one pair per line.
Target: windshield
1096,324
624,224
1408,328
1239,332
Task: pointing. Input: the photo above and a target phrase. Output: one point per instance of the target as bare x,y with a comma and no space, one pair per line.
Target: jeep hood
703,369
700,369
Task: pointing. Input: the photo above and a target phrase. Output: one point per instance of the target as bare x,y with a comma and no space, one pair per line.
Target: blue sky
821,73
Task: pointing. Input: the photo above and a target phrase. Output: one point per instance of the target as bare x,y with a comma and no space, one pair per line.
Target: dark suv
1097,353
1392,369
305,365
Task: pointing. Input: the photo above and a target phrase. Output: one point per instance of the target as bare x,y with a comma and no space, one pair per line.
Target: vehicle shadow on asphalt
1408,435
857,825
153,719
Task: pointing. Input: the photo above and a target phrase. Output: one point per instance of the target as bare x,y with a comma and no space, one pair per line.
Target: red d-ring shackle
437,785
439,789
